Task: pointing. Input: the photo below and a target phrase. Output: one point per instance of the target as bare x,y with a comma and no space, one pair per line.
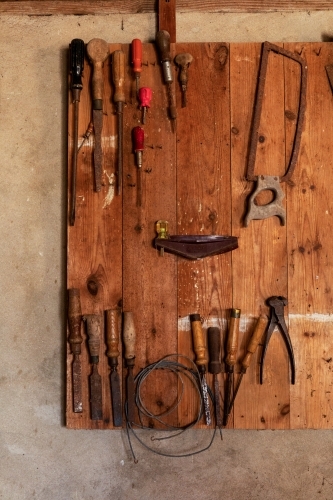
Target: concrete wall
39,458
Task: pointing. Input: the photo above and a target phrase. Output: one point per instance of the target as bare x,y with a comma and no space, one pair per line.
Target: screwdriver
94,325
98,51
129,337
138,143
201,360
230,361
251,349
118,74
75,341
183,61
137,60
76,48
215,367
145,95
163,45
112,342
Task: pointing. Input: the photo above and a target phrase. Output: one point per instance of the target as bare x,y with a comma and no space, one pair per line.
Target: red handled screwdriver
138,143
145,95
137,60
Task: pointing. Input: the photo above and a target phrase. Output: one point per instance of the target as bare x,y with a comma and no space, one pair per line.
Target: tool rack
194,178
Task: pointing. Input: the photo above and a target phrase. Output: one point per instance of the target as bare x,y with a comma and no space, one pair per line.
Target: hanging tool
98,52
145,95
112,342
138,144
136,51
277,304
230,361
75,341
251,349
271,182
183,61
215,367
163,45
129,337
76,49
118,74
94,327
201,361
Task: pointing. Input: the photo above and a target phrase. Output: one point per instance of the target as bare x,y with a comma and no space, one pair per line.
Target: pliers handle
277,304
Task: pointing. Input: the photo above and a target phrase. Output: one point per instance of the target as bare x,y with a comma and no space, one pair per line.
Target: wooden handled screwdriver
136,52
251,349
75,341
163,45
94,327
129,337
98,52
215,367
230,361
118,75
201,360
183,61
112,342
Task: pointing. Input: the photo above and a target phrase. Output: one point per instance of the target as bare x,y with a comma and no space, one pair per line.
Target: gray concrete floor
40,458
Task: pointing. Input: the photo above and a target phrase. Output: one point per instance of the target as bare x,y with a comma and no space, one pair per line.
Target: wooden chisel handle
214,349
118,75
129,336
198,340
255,339
112,335
74,320
232,342
98,52
94,326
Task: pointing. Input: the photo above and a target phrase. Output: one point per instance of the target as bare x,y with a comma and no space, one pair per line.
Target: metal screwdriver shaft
215,367
230,361
118,74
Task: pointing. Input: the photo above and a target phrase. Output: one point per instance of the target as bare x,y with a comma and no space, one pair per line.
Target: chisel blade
116,399
206,400
130,396
77,385
98,153
96,394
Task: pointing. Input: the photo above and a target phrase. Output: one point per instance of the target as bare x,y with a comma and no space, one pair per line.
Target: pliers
277,320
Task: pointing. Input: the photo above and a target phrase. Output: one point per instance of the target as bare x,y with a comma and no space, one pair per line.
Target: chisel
230,361
129,337
76,69
118,75
94,326
251,349
75,341
98,52
201,361
163,45
215,367
112,342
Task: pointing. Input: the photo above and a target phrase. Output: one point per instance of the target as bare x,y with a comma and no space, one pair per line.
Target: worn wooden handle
183,61
214,348
129,335
163,44
94,326
74,320
232,343
112,333
98,52
118,75
255,339
198,340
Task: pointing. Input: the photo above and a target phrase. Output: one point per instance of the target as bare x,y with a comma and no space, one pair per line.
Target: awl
112,342
230,361
94,327
118,75
75,341
201,361
215,367
98,52
183,61
129,337
163,45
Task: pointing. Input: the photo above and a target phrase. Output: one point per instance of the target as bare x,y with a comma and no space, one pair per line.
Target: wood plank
167,17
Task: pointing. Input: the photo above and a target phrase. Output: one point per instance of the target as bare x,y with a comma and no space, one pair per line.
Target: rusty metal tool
118,75
75,341
145,95
251,349
138,144
94,327
98,52
112,342
163,45
277,305
76,49
272,182
136,52
215,367
183,61
129,337
230,361
201,361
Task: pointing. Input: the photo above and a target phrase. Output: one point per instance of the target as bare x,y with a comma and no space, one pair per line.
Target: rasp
75,341
98,52
230,361
94,328
112,342
129,337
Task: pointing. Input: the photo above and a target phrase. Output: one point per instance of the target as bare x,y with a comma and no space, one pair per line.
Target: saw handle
94,325
198,340
232,342
255,339
118,75
98,52
74,320
112,334
129,335
214,348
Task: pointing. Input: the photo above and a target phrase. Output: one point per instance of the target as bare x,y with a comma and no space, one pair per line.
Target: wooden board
195,179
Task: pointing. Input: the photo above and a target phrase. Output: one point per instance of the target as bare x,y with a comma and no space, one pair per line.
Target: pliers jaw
277,304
